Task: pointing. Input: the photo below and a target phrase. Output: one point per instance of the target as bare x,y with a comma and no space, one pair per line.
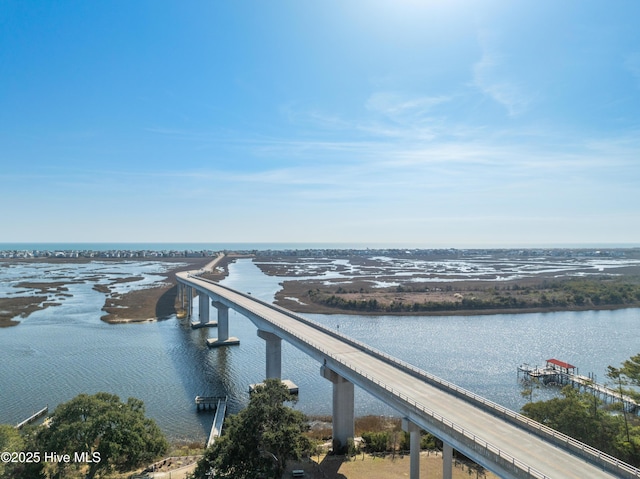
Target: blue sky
418,123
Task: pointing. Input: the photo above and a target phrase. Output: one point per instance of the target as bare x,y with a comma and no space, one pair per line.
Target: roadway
431,407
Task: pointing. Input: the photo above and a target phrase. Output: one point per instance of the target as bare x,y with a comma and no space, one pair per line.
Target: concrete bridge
502,441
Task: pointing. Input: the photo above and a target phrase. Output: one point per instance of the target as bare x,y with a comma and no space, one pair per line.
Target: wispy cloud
402,107
403,150
491,77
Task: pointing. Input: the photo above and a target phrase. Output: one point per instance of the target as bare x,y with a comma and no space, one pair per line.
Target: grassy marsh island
402,282
437,282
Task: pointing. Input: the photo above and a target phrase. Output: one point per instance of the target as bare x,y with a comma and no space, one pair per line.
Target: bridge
502,441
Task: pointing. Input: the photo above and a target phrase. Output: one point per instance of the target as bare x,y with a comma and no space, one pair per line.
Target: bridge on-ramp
504,442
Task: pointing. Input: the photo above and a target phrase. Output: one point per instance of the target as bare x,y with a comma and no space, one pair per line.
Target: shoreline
373,288
137,306
160,302
319,309
150,304
307,296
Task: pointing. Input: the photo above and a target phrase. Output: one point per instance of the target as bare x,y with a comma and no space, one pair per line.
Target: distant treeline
572,293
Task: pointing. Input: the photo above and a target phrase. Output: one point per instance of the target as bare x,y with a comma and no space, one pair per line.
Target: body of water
62,351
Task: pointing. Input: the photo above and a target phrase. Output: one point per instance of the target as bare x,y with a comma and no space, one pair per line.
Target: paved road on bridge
368,371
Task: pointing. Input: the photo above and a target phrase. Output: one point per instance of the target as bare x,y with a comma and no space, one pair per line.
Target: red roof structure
560,364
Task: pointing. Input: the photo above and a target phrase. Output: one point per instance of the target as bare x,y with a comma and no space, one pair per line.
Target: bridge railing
418,407
452,426
584,450
424,410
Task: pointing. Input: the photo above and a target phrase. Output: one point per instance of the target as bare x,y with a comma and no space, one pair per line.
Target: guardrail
570,444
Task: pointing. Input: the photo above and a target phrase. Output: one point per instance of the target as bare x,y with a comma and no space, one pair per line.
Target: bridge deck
422,401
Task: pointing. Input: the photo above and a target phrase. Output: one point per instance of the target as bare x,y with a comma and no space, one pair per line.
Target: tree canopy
10,441
97,431
259,440
628,375
583,416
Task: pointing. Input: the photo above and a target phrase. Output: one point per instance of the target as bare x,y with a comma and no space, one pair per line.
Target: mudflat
454,282
161,301
11,308
151,303
418,282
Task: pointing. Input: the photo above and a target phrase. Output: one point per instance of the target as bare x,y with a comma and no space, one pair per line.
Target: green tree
579,415
260,439
573,414
115,435
629,374
376,441
10,441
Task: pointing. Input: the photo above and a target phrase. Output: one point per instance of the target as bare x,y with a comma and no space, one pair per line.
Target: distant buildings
116,253
444,253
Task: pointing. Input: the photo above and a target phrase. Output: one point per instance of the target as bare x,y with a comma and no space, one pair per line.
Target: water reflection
62,351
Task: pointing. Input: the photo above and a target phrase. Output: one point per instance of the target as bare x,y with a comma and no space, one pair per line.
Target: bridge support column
204,312
447,461
343,406
414,442
274,354
223,338
183,296
203,308
189,302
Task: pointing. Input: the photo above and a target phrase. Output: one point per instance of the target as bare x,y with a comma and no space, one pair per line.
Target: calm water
60,352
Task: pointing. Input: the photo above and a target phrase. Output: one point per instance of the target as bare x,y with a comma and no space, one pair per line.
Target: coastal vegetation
88,436
380,450
10,441
260,439
156,301
369,285
576,293
11,308
586,418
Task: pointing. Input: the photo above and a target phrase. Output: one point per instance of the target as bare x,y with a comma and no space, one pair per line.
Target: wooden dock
219,404
208,402
218,421
291,386
33,418
559,373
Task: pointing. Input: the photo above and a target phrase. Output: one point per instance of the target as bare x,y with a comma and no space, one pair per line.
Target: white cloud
397,105
492,77
402,116
506,92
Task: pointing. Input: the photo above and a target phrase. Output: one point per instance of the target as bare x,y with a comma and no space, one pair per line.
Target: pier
560,373
218,421
208,402
219,404
33,418
507,443
291,386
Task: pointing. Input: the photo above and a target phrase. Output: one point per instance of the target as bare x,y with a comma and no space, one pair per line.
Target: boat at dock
560,373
